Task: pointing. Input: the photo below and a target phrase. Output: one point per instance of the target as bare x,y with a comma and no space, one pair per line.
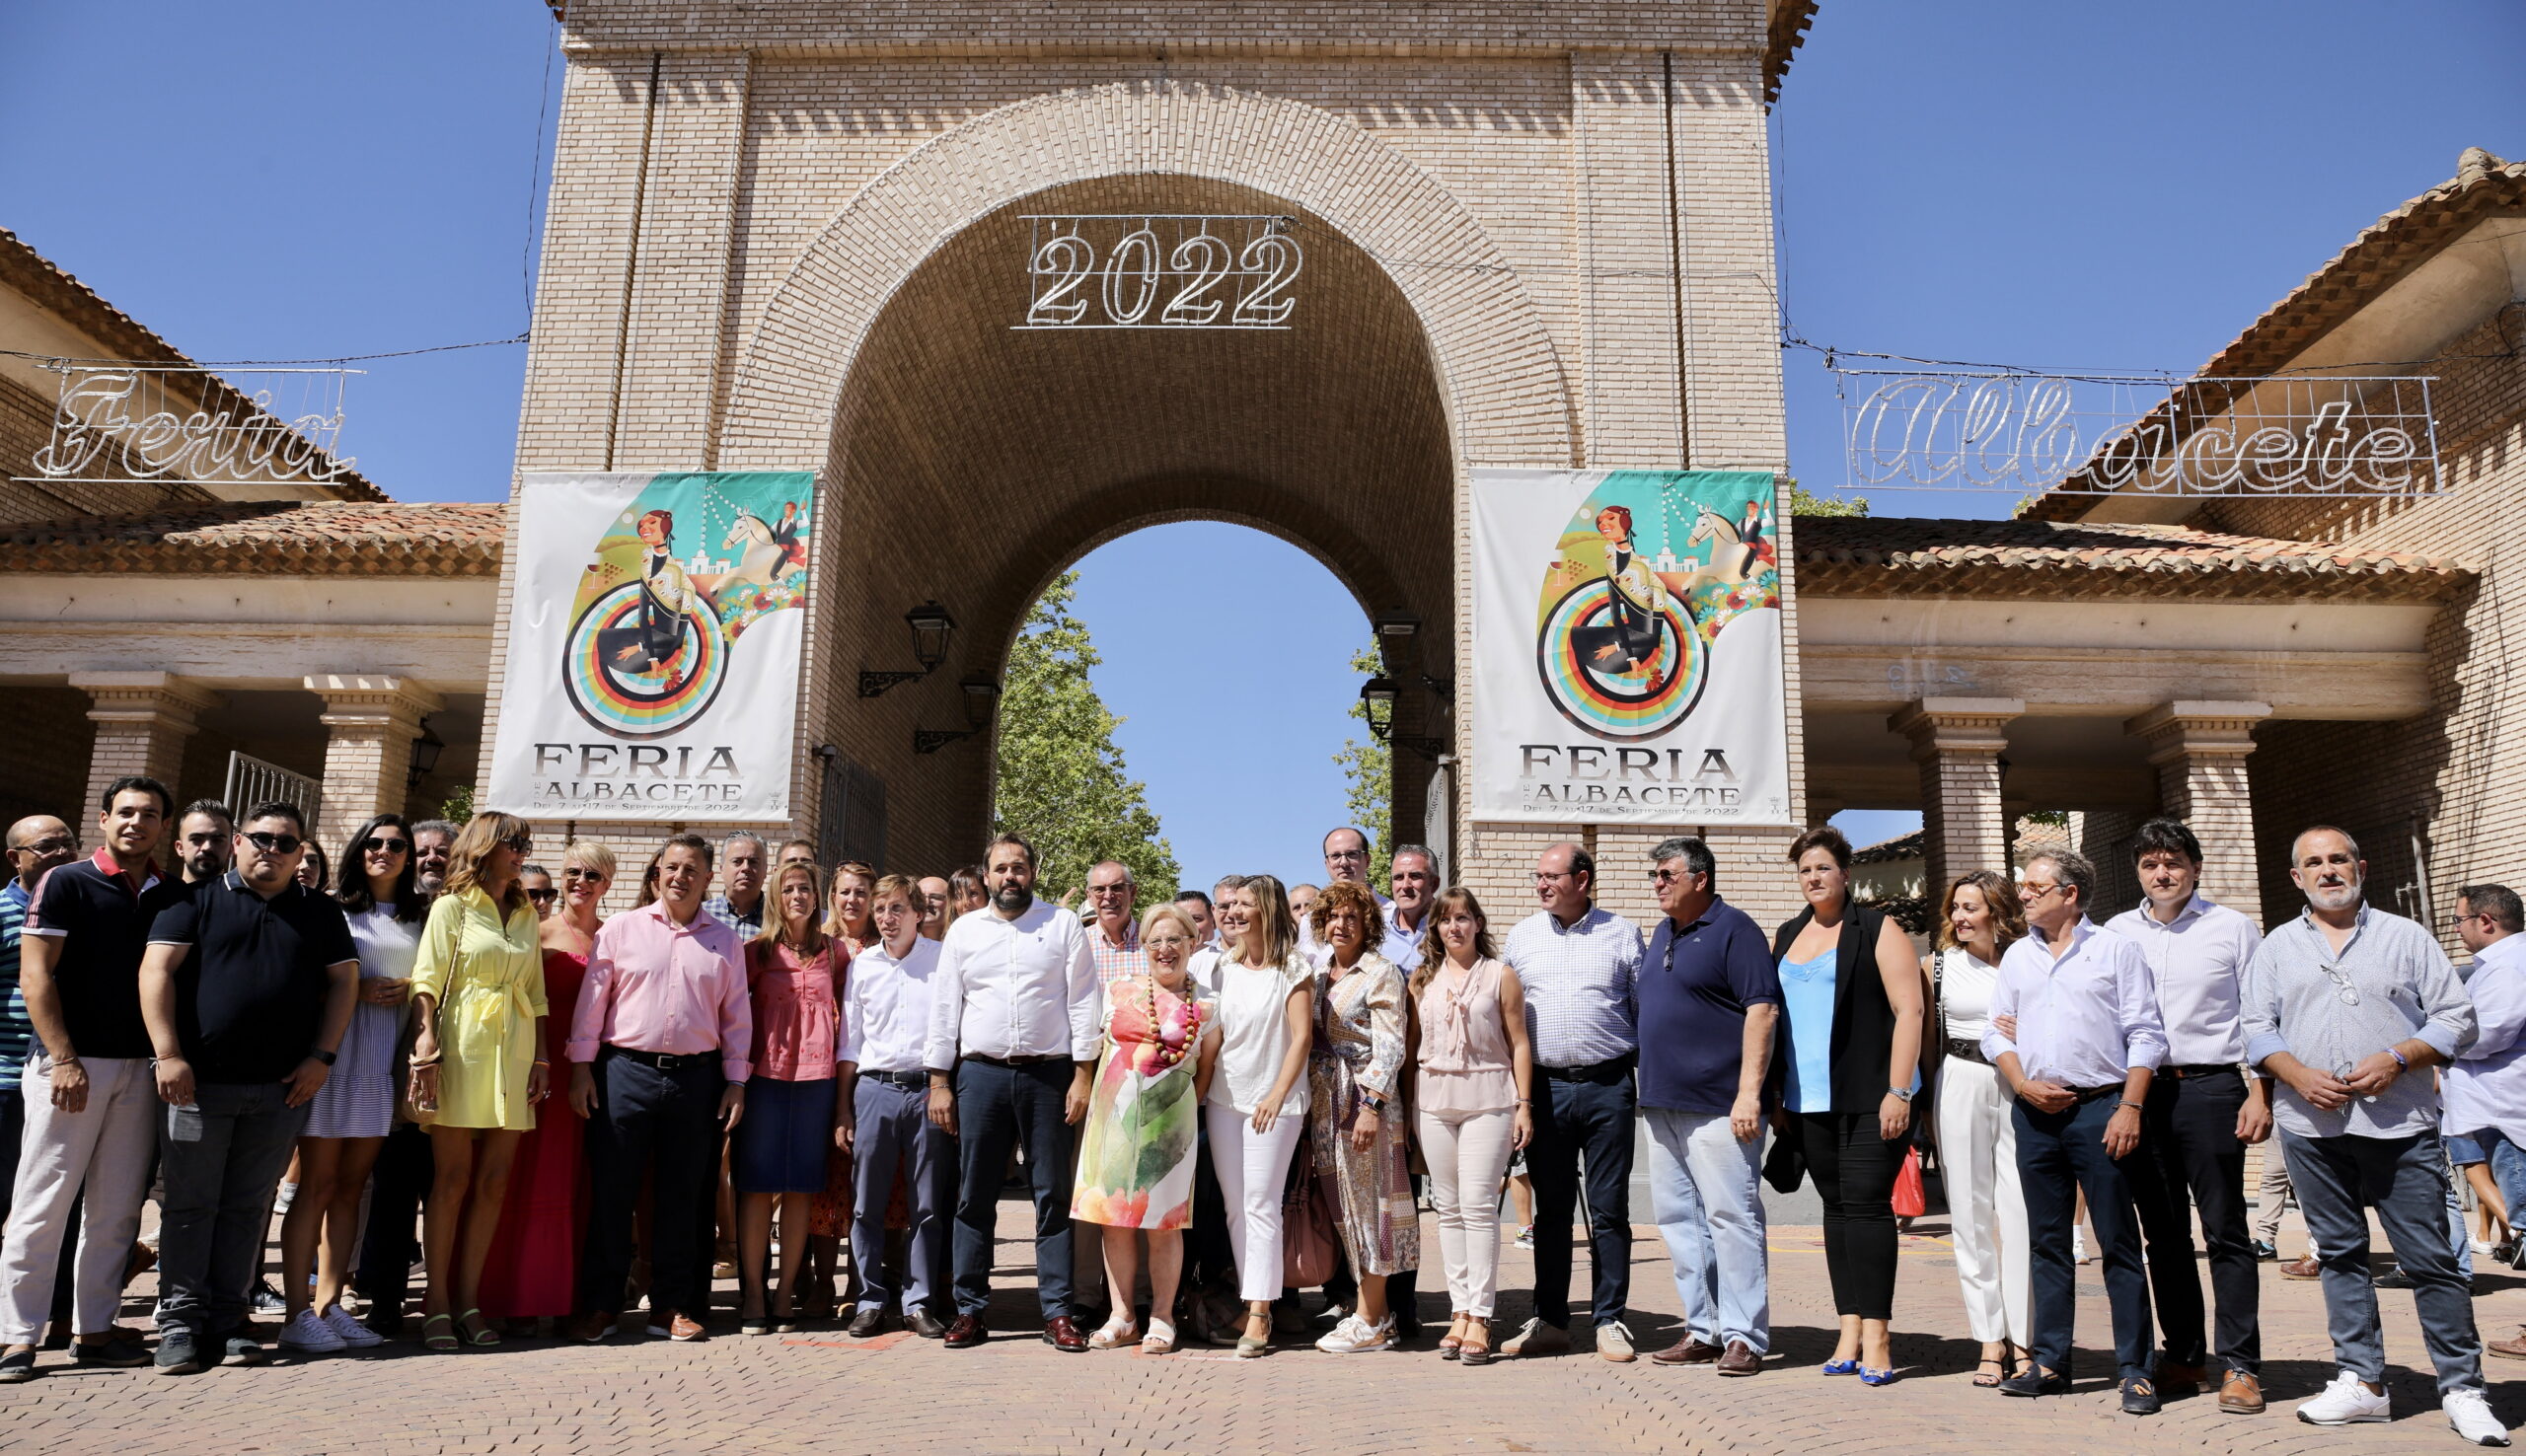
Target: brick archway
1508,395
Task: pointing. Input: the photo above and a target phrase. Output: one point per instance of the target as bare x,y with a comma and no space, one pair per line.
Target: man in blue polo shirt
1709,1003
37,844
248,987
91,1123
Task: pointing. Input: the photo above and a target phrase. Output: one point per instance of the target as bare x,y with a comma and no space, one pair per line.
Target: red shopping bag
1910,1200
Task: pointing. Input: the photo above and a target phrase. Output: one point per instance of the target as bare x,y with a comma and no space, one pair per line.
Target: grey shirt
2296,1002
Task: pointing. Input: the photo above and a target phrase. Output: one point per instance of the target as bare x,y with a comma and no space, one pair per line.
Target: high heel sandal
1476,1346
442,1343
1453,1340
1990,1379
487,1337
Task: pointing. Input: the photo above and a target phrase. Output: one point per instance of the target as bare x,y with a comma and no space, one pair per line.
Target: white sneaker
2469,1414
353,1334
2345,1402
308,1334
1356,1335
1613,1343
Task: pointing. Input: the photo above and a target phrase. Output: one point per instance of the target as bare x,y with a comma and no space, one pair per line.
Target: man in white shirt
1011,1049
2076,1038
2485,1087
885,1121
2204,1109
1346,857
1415,883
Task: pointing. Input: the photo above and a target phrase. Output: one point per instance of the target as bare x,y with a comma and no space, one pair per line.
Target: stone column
143,720
371,720
1958,742
2200,750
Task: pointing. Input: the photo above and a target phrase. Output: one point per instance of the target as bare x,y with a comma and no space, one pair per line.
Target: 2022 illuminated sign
1161,270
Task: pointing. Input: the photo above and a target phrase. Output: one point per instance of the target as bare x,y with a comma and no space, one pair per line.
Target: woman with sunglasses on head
479,1065
534,1266
1978,919
351,1114
851,923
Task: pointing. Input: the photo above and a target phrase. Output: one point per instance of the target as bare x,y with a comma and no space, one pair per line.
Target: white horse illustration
1730,558
761,558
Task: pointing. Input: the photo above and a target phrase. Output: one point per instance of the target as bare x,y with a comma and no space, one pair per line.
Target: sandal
1160,1338
1475,1348
1117,1331
1251,1347
486,1336
1453,1339
1988,1373
446,1341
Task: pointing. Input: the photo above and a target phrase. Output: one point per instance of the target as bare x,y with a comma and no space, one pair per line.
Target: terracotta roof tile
269,538
1870,556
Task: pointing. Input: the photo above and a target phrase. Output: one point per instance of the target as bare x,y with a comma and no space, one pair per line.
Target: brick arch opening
972,463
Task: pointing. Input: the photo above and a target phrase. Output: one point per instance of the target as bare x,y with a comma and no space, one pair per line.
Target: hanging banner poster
1627,642
656,637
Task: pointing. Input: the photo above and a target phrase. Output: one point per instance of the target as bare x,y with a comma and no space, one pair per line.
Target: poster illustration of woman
1632,640
656,639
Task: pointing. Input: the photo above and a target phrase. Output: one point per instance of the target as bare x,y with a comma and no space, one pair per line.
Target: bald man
37,843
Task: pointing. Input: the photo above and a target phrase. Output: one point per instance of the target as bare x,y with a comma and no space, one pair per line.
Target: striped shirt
1583,985
2388,983
1114,961
17,1033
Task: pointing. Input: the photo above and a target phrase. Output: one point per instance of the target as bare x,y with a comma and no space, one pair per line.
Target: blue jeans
1582,1124
2508,1169
222,1157
998,1106
2404,1179
2058,1154
1705,1187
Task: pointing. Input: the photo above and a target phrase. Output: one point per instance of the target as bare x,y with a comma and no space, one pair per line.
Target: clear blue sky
2103,186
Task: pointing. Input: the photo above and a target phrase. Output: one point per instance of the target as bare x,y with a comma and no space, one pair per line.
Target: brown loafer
2510,1350
595,1324
1062,1333
1687,1352
2304,1268
685,1329
2241,1394
1740,1359
2175,1375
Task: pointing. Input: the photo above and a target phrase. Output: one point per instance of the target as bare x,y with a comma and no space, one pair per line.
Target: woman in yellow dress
477,1063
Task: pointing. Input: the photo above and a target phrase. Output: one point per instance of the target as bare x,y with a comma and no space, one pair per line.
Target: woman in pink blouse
792,970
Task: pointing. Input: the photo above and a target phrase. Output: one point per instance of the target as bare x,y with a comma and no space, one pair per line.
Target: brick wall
46,740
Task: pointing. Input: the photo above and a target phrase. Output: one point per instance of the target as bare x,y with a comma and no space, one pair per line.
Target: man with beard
202,837
2349,1007
431,839
1012,1045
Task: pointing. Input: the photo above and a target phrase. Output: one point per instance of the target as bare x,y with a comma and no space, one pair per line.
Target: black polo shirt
250,996
102,925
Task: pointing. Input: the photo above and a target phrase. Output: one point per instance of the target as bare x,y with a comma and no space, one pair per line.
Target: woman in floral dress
1136,1153
1355,1111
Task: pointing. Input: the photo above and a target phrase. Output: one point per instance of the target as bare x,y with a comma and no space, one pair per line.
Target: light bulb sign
1161,270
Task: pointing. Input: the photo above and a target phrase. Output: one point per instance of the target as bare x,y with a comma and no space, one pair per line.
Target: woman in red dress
532,1272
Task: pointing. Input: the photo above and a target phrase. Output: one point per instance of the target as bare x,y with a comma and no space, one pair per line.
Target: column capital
373,700
1957,725
150,699
2193,728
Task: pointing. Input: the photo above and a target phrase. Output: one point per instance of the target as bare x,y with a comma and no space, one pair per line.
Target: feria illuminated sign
145,423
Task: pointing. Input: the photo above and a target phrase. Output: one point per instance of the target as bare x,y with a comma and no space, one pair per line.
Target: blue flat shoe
1841,1367
1867,1376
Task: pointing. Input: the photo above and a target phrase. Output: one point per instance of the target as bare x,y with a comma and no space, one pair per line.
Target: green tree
1368,775
1804,503
1062,780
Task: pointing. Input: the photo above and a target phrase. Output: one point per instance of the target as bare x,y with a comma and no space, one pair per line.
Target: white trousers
1253,1168
106,1145
1977,1158
1468,1152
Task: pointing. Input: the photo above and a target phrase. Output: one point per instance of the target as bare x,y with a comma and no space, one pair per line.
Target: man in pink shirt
658,1063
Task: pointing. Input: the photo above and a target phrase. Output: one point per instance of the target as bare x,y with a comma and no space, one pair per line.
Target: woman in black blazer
1847,1066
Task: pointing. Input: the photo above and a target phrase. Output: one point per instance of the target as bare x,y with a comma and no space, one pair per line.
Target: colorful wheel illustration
641,700
1602,697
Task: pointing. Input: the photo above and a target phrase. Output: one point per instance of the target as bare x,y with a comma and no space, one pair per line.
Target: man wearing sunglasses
37,843
2348,1007
247,987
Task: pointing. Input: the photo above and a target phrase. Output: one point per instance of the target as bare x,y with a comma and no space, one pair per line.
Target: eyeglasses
2342,986
47,847
2030,890
378,844
1547,876
271,843
1108,889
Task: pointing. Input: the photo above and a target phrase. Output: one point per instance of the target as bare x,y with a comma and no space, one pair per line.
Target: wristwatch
1372,1102
326,1057
1900,1094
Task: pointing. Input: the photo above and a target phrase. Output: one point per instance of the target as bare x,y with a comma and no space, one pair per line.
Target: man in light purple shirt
2076,1039
2204,1109
2485,1087
660,1054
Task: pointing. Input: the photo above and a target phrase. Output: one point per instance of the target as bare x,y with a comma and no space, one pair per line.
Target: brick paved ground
822,1392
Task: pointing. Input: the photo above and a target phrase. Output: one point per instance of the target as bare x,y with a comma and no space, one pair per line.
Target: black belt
665,1061
1967,1049
2199,1069
1062,1056
1612,1069
2091,1094
900,1080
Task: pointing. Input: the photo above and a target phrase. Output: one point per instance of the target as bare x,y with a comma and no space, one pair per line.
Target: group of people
1230,1087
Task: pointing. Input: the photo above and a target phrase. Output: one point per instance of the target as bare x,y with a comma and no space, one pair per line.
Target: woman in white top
1979,916
1257,1101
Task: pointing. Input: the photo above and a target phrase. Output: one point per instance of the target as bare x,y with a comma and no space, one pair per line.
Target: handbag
1910,1199
1785,1166
1310,1248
